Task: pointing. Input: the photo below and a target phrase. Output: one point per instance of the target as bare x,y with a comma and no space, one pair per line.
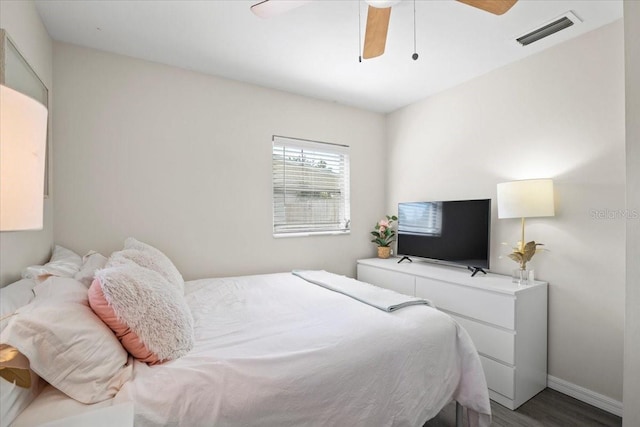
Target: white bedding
275,350
52,404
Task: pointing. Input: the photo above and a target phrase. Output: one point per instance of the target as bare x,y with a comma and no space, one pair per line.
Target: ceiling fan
378,16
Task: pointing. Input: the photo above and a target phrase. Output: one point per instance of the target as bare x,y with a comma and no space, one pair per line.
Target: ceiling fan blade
497,7
270,8
375,36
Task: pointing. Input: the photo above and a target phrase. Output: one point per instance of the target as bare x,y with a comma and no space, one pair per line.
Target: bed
279,350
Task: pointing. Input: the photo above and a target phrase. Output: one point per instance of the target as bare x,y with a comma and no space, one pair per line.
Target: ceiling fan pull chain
415,51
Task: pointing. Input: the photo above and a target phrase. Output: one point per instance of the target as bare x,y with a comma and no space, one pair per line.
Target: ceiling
313,50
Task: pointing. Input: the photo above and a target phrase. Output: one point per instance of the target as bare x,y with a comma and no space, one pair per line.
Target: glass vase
522,276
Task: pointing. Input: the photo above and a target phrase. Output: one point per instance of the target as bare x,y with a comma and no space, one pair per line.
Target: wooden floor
548,409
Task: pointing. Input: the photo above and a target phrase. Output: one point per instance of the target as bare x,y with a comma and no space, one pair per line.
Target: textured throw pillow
150,317
148,257
67,344
14,399
63,263
91,262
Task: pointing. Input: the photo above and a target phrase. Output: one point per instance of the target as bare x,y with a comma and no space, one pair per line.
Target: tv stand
403,258
475,270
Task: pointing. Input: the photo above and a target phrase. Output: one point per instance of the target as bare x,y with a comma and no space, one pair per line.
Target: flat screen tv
455,232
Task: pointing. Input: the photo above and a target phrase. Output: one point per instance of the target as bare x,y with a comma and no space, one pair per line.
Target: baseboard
585,395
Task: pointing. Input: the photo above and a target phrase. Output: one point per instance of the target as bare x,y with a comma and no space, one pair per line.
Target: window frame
323,149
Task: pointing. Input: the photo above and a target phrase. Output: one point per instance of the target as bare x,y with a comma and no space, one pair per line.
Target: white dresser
507,322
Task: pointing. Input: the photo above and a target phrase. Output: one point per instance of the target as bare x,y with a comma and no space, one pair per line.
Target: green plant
383,232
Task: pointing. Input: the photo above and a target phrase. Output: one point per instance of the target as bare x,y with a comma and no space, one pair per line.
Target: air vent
559,24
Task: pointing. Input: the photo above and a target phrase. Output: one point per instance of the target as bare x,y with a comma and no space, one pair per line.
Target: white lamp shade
23,135
526,199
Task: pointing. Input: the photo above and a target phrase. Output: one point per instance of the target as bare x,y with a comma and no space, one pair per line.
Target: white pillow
16,295
63,263
67,344
149,257
91,262
14,399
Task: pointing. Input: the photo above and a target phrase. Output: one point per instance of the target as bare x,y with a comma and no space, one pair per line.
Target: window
310,187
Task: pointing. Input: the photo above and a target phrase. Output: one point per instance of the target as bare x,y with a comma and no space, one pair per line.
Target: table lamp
525,199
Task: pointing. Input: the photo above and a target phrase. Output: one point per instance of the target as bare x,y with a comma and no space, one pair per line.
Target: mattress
276,350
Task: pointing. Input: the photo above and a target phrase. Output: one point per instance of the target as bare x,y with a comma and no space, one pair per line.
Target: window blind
310,187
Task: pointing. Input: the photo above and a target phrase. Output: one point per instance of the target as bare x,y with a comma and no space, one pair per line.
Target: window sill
311,233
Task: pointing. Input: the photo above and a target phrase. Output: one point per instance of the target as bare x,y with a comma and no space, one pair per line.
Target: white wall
632,335
19,249
557,114
183,161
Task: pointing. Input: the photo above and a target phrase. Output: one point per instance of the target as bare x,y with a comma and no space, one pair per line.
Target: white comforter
275,350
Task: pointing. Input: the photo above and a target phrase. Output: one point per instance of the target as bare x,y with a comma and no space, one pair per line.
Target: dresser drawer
500,378
399,282
486,306
496,343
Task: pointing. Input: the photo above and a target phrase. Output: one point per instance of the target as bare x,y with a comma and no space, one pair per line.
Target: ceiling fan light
381,4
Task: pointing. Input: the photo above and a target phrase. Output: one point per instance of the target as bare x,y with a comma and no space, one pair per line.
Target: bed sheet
275,350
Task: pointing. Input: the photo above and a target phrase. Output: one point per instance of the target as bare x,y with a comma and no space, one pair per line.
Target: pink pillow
127,337
150,318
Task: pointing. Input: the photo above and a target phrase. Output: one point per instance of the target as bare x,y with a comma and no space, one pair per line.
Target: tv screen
451,231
